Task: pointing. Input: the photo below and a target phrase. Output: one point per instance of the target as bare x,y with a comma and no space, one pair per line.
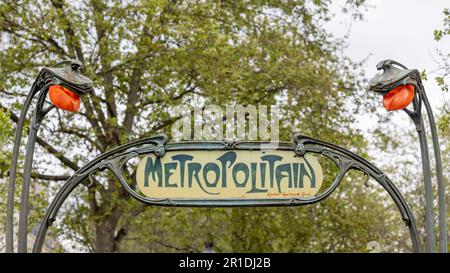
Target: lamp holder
67,74
394,74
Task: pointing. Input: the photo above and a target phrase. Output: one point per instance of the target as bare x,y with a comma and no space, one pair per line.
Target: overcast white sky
401,30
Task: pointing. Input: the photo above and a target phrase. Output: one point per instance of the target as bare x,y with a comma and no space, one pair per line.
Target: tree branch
48,147
48,43
50,177
71,40
80,135
137,58
123,231
105,61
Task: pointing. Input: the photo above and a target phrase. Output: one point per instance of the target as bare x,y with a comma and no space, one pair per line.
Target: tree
146,57
443,71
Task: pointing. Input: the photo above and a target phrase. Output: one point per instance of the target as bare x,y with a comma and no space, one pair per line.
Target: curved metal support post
9,227
443,242
93,166
38,115
361,164
115,159
416,117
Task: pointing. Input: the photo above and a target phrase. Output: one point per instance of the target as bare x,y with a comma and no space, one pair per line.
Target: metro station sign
229,174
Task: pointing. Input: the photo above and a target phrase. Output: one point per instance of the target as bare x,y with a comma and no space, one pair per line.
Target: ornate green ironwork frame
114,160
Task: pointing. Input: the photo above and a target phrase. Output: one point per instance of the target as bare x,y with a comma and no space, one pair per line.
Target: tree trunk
104,237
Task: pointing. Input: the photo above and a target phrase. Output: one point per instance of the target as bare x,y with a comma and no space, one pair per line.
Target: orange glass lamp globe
64,99
399,97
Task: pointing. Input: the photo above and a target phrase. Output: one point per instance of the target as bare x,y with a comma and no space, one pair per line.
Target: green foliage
445,31
146,57
5,155
444,64
442,60
5,138
444,121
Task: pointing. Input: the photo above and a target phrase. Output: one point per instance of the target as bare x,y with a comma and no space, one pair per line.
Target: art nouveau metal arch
114,160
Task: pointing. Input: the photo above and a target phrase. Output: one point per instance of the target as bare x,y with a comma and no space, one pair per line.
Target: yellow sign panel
235,174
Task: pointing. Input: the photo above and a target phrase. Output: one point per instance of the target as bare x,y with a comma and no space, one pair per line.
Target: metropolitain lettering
262,173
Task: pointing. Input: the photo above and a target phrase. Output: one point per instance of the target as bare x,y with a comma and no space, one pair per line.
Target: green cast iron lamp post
65,84
400,87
